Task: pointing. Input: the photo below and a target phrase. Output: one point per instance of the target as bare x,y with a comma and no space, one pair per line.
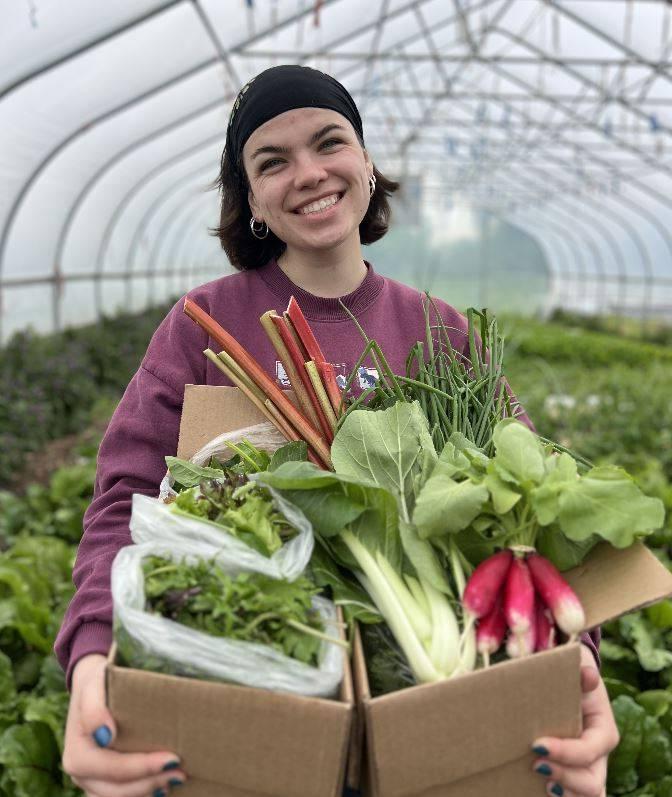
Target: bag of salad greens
211,499
184,608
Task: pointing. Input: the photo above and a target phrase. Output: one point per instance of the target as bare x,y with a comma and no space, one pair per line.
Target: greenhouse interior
530,140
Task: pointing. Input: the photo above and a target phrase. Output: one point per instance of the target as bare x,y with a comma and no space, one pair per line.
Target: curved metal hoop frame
259,228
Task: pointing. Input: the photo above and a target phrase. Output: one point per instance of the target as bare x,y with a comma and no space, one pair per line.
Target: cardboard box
234,741
467,737
470,736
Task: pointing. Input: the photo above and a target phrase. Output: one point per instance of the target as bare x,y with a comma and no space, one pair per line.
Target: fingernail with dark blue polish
544,769
175,782
102,736
171,765
557,789
539,749
159,793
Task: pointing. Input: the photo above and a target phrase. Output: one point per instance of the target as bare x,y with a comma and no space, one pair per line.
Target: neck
328,274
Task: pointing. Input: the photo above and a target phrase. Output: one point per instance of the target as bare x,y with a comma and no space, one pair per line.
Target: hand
101,772
578,767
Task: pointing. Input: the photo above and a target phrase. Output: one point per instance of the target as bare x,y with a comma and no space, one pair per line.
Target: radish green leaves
526,487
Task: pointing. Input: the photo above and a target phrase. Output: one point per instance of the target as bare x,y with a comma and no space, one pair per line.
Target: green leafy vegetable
606,501
30,756
648,642
527,494
249,607
296,451
364,526
629,717
345,592
240,508
655,757
446,506
186,474
386,448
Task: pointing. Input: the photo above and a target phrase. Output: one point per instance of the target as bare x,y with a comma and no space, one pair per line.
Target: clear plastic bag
154,521
156,643
262,435
151,519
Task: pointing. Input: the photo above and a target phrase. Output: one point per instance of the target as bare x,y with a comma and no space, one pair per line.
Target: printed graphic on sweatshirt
281,374
366,377
342,371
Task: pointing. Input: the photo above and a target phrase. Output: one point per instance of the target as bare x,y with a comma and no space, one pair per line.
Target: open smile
320,207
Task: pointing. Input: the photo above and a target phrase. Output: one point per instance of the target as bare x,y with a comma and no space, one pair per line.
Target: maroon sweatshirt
145,425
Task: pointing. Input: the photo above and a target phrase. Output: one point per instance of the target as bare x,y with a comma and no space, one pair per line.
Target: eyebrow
284,150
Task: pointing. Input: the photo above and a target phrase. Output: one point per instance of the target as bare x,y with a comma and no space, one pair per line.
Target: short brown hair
246,252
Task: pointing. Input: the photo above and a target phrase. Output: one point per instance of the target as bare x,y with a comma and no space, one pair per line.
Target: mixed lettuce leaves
222,494
249,607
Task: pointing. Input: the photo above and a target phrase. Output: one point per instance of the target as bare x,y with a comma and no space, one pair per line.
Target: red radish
519,645
490,631
485,584
519,598
557,595
544,626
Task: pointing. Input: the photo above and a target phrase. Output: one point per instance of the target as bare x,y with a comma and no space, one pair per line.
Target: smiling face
308,178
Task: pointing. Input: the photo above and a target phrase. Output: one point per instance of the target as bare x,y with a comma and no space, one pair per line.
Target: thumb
95,718
590,678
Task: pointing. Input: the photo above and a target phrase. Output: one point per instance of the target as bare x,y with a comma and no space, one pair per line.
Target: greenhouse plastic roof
553,115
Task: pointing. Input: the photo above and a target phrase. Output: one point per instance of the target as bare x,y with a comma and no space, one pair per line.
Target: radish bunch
524,593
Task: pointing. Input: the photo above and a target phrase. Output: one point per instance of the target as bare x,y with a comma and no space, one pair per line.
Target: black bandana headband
280,89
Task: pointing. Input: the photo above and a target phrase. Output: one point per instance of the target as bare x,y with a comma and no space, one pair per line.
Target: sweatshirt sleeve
143,430
592,640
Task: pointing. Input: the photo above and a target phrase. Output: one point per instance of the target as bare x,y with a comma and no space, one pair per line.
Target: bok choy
362,514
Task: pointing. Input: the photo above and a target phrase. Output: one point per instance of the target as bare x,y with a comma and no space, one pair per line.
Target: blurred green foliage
49,383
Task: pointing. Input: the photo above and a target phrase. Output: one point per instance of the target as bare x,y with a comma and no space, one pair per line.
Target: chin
326,242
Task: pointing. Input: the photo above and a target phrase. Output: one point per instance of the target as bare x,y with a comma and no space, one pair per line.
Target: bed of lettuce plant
37,533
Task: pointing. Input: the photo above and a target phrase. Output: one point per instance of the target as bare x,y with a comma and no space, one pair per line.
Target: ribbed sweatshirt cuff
93,637
589,642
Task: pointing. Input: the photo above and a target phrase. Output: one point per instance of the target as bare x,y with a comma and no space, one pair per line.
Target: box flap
437,734
211,410
613,581
248,741
360,683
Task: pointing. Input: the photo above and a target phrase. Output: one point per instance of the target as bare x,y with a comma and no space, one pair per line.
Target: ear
369,163
253,205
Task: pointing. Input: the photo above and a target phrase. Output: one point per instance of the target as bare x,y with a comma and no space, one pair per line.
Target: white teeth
321,204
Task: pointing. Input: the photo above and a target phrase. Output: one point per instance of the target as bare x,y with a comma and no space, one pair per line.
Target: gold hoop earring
259,232
372,185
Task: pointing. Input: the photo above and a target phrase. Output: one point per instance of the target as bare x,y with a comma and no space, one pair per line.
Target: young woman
300,195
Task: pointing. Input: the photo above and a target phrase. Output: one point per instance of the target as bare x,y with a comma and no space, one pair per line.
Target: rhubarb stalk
269,324
321,393
233,373
305,334
292,345
252,368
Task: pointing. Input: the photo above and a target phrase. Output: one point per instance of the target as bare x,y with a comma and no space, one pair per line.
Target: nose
309,171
